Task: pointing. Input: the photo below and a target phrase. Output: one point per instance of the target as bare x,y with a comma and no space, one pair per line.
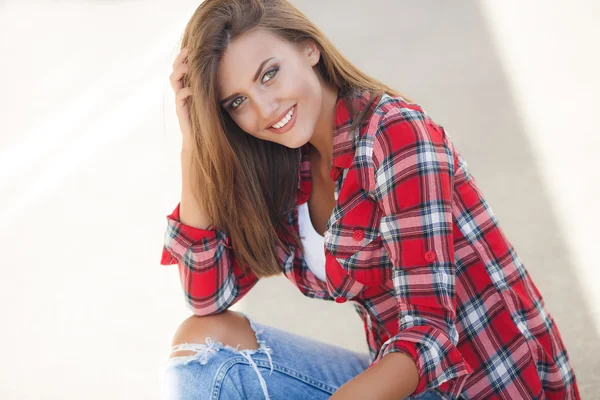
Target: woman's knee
229,328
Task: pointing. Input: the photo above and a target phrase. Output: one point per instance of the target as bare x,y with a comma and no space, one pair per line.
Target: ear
311,51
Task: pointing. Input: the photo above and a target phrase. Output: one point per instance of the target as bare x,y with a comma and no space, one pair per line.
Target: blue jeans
286,366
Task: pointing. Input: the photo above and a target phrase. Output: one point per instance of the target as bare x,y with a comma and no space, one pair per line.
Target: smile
286,123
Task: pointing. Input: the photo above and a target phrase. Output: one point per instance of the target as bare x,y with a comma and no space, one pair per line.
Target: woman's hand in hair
180,68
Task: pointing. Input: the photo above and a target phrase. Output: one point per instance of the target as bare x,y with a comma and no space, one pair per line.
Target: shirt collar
345,141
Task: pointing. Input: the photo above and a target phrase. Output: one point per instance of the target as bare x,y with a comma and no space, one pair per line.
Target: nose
267,108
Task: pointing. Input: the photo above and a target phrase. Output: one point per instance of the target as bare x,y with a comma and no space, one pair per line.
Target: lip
287,126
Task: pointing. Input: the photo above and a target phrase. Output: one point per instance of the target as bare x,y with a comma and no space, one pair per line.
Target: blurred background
89,169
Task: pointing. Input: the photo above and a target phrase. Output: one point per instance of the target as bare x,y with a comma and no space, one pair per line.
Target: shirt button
430,256
358,235
340,300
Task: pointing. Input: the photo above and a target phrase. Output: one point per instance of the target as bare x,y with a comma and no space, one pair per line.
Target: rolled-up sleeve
409,172
211,277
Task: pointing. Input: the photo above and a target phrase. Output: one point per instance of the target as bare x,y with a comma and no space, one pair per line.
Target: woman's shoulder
395,108
394,113
397,124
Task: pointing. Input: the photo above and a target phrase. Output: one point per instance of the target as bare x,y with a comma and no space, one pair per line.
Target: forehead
244,55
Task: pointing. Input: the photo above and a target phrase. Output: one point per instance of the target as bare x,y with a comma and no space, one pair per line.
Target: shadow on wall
443,57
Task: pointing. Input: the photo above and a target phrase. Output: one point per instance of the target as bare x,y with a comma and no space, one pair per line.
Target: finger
181,95
177,75
180,57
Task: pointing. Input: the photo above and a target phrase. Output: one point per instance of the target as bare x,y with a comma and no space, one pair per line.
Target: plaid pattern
417,249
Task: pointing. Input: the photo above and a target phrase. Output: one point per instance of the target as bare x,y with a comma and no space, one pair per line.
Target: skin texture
228,327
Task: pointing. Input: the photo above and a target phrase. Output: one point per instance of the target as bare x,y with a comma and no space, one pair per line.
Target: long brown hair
248,186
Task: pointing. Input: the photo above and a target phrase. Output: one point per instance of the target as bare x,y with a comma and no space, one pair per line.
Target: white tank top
314,244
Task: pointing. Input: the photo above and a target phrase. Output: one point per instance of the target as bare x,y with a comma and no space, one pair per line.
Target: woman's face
270,89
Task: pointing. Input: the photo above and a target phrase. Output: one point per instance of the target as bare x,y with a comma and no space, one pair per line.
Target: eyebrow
260,67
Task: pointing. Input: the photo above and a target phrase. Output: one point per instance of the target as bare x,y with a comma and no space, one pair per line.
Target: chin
297,141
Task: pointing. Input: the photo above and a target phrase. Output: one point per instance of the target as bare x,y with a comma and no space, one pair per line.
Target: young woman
296,162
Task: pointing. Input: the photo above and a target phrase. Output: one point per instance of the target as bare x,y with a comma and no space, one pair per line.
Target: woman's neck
322,138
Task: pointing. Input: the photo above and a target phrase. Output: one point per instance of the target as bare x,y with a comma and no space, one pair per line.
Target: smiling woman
288,86
251,64
275,118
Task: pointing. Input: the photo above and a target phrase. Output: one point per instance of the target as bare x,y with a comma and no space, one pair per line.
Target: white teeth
285,119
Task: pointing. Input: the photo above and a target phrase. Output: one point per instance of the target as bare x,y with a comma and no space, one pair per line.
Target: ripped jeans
286,366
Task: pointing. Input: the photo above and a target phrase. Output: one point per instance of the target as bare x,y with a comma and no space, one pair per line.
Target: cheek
248,124
245,122
313,94
308,87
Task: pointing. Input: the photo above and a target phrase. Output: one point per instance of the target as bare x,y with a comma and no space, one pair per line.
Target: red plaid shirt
417,249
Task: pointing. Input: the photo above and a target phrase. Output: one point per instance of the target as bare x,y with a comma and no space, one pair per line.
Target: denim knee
203,374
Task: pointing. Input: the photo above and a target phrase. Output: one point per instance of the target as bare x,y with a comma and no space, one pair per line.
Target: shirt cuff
186,236
440,364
